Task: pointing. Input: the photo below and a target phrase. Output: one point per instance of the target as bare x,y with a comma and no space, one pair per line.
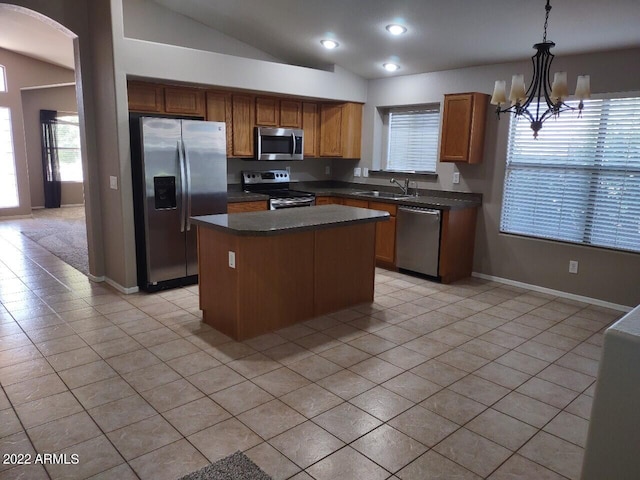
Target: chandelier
542,99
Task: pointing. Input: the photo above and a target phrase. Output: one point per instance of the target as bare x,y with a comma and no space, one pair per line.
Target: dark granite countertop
428,199
287,220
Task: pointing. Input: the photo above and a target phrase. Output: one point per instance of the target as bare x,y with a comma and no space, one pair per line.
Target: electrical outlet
113,182
365,172
232,259
456,177
357,172
573,266
327,170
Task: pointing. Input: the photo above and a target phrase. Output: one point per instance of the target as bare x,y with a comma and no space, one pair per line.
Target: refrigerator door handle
188,164
293,144
183,188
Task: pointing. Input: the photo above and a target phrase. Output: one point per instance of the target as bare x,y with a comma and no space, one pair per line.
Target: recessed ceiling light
395,29
391,67
329,44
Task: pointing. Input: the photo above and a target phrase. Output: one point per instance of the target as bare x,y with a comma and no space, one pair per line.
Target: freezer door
205,154
163,199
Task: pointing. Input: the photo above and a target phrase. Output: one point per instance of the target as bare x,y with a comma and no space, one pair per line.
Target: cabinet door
330,130
351,130
290,113
219,110
267,111
145,97
386,241
242,119
239,207
185,101
311,127
352,202
463,125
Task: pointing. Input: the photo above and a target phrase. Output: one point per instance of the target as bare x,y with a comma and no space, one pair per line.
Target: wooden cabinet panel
457,240
386,241
219,110
184,101
392,208
311,127
238,207
290,113
352,202
463,125
267,111
329,201
340,130
145,97
242,107
330,130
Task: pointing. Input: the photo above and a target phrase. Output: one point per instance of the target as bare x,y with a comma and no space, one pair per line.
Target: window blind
580,180
413,139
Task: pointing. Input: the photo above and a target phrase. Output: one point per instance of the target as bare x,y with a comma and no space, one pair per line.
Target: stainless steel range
275,183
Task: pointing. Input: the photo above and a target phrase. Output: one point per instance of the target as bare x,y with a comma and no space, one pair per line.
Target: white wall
147,20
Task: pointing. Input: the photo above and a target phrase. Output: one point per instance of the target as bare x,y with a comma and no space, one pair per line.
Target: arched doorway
51,42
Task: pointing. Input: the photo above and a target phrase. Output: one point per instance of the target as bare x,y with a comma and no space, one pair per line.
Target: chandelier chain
546,20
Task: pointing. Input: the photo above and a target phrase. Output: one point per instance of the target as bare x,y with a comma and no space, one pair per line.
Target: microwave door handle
182,186
188,165
293,144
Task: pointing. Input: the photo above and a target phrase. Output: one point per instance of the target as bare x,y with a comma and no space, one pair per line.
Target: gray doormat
234,467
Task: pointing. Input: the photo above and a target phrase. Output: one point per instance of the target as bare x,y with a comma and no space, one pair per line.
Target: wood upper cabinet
290,113
463,124
311,127
219,110
340,130
267,111
243,114
184,101
145,97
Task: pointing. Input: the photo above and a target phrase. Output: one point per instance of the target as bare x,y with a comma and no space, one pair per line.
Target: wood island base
282,279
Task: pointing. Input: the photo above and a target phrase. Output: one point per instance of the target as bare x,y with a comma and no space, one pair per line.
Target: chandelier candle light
528,102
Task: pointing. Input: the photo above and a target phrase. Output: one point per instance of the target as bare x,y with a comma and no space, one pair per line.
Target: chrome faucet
405,187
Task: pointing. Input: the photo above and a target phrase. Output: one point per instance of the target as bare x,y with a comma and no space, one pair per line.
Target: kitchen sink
385,195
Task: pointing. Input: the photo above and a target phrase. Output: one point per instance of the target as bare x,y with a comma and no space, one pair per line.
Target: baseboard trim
557,293
120,288
15,217
93,278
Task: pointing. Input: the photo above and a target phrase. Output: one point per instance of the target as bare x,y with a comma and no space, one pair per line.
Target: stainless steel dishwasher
418,240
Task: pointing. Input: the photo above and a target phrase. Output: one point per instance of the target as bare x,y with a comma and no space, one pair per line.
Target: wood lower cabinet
353,202
457,241
463,125
239,207
329,201
386,234
340,130
242,112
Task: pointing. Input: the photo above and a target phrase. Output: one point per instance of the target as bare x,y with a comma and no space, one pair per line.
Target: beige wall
603,274
61,99
24,72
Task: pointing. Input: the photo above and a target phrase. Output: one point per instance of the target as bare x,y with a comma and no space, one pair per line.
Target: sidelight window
579,182
8,183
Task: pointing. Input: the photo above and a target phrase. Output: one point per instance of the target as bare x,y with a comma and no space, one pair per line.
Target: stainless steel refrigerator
179,170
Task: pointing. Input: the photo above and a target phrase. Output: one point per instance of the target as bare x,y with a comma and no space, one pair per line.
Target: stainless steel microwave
279,143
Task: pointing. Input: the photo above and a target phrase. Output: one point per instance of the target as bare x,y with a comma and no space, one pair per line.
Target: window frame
3,79
386,136
590,202
63,115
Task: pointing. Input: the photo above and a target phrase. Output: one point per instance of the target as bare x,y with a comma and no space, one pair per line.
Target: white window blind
413,139
580,180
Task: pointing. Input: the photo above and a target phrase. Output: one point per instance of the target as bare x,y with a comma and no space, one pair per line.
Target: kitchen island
261,271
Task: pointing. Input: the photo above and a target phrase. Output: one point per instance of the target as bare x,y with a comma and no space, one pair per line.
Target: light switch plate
232,259
456,177
327,170
573,266
113,182
365,172
357,172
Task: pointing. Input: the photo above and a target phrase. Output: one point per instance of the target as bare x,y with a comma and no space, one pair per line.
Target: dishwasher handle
422,211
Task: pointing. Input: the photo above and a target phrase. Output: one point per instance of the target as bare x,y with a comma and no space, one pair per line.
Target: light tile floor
471,380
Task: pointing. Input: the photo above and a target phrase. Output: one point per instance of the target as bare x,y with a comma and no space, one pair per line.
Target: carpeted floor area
63,232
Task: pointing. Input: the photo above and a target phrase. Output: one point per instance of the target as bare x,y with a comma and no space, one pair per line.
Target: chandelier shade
543,99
